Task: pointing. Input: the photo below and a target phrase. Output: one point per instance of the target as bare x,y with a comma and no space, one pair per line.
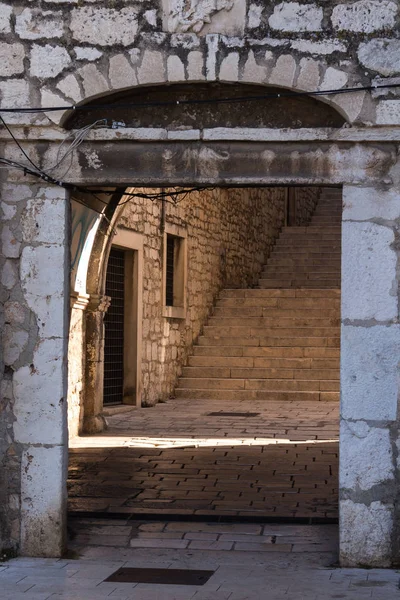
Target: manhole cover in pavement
232,414
163,576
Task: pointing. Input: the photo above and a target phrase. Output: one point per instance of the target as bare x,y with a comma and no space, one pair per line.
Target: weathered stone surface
388,112
381,55
14,341
351,105
366,456
195,66
254,16
318,48
151,17
43,501
121,73
365,16
44,380
365,534
369,292
5,18
48,61
10,245
365,204
309,76
40,220
104,26
8,210
38,275
229,69
203,17
152,68
292,16
334,79
175,69
69,86
11,59
185,40
90,54
254,72
9,274
94,83
51,100
211,59
370,377
284,71
14,312
33,24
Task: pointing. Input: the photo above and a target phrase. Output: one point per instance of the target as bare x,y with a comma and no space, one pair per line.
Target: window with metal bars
114,323
174,272
170,270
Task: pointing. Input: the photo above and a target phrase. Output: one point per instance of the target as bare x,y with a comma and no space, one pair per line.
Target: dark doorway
114,329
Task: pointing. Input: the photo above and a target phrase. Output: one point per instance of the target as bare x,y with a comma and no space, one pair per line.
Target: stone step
269,385
302,269
303,262
319,272
322,244
311,341
312,230
272,396
251,322
265,352
259,373
283,302
252,293
278,331
264,363
308,253
260,311
298,283
325,220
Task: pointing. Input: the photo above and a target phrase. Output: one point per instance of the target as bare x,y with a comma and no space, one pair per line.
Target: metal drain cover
161,576
232,414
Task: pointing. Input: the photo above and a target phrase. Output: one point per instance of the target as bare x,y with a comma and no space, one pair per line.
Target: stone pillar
93,420
36,277
76,363
370,354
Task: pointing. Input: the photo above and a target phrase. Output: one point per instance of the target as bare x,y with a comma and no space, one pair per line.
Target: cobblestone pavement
249,561
177,459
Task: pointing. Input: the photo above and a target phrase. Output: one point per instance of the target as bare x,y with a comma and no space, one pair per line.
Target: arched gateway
339,139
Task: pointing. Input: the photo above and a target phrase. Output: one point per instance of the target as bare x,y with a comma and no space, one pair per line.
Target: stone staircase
280,341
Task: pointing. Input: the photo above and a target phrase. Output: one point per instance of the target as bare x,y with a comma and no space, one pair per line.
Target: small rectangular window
174,277
170,270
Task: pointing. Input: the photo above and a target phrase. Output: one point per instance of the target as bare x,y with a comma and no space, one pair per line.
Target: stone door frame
365,162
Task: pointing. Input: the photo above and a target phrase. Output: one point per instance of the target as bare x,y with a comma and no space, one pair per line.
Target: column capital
79,301
99,303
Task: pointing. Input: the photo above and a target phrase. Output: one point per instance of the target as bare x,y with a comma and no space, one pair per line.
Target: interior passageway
252,430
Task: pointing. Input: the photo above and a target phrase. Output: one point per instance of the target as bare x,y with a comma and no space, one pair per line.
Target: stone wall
369,434
33,403
56,53
306,199
230,233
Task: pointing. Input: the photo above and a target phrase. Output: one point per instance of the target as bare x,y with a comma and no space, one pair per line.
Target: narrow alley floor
211,459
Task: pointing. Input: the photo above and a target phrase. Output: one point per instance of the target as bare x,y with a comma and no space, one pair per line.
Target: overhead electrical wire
226,100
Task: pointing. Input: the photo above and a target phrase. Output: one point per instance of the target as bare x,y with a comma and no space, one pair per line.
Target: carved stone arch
279,71
86,326
211,104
